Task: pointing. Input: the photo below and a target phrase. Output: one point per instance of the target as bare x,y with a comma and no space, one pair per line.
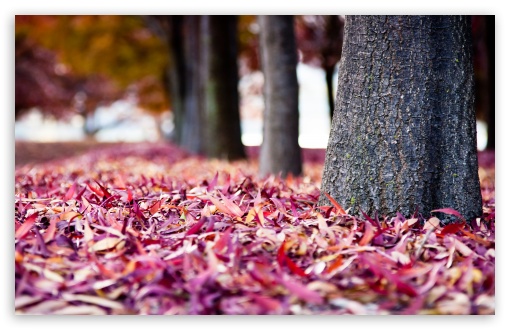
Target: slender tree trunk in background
490,29
280,152
403,137
221,97
330,71
193,120
332,52
176,73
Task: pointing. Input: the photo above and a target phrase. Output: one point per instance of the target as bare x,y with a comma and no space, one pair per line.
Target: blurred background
107,79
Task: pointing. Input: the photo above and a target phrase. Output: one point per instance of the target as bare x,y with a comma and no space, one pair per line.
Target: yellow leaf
105,244
250,216
69,215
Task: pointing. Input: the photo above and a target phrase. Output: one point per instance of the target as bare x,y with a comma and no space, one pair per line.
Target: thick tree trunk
280,152
221,97
403,137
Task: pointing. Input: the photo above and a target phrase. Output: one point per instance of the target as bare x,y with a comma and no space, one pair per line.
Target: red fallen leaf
335,203
295,268
155,207
95,190
280,256
70,192
406,289
449,211
282,259
105,191
137,211
196,227
339,261
368,235
452,228
81,193
26,226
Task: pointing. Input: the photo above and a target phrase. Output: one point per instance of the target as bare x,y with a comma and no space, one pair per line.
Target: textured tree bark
280,152
403,136
221,97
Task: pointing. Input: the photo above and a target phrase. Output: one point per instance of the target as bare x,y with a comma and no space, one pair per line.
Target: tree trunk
280,152
491,113
403,136
193,121
332,52
176,73
329,82
221,97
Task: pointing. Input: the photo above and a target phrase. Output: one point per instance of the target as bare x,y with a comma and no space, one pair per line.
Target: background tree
490,35
403,137
221,97
320,40
202,78
483,42
280,152
193,119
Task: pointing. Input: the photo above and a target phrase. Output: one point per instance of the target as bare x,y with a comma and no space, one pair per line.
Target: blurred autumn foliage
97,59
72,64
94,60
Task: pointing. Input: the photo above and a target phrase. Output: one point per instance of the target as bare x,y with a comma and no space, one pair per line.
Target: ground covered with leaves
147,229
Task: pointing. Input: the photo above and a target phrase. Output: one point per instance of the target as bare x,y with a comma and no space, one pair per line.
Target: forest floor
149,229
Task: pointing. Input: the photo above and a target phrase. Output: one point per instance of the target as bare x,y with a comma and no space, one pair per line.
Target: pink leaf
302,291
70,192
196,227
49,234
26,226
227,206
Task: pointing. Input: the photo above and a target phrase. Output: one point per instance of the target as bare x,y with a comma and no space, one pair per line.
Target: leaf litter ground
141,229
